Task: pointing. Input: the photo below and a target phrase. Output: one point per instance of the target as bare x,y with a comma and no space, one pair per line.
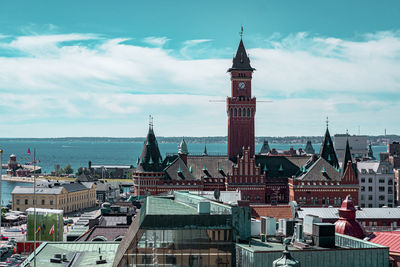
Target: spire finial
347,132
150,122
241,32
327,122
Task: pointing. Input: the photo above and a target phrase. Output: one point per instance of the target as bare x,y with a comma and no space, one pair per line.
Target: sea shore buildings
68,197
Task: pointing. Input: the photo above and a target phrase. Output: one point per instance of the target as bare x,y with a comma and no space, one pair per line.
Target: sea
78,153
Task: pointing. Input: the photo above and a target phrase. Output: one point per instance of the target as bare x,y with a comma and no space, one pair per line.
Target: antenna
150,122
241,32
327,122
358,129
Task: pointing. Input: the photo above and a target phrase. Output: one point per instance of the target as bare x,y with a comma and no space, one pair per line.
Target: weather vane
241,32
150,121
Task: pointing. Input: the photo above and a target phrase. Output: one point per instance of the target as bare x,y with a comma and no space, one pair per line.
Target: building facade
322,182
376,184
67,197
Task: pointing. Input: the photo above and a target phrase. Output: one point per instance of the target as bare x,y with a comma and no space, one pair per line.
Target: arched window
240,112
99,238
248,112
235,112
119,238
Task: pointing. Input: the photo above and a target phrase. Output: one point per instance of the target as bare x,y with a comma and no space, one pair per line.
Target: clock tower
241,106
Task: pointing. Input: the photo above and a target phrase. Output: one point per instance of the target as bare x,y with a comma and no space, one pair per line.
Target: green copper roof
88,253
205,151
165,206
183,147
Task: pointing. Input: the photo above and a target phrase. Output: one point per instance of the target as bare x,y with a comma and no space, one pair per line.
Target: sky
100,68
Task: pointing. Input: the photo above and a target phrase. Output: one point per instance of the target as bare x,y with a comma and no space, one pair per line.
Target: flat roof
80,253
165,206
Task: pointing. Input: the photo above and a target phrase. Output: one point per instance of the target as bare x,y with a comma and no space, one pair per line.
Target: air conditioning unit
288,227
299,232
268,226
308,222
324,235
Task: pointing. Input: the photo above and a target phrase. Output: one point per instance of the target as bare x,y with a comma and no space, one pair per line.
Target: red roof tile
278,211
388,239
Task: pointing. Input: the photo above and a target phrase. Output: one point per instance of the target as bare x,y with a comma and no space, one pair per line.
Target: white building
376,184
358,146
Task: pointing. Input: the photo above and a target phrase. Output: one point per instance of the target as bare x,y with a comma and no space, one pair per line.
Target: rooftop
78,253
364,213
388,239
276,211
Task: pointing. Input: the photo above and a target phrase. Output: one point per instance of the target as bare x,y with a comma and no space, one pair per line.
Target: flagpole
34,207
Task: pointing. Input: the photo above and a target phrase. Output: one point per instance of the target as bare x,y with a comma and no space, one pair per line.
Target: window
26,202
381,180
43,201
370,180
369,205
362,180
51,202
369,188
370,197
17,201
362,188
390,190
381,189
390,182
382,197
362,205
362,197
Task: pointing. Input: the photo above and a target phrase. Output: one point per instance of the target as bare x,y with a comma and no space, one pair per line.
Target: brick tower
241,106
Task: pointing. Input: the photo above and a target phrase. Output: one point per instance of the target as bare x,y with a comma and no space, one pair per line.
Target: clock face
241,85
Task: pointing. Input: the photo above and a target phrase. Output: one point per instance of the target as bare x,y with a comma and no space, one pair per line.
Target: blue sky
99,68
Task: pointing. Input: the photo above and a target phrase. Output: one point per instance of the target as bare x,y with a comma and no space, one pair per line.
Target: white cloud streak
89,77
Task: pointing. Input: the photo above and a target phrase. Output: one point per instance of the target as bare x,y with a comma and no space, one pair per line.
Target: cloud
156,41
69,78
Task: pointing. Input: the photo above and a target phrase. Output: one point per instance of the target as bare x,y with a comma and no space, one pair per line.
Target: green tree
82,170
68,169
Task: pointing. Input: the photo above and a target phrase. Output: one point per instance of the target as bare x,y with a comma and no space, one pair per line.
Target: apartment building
376,180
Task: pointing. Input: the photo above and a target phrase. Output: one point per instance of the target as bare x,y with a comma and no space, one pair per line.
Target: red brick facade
247,178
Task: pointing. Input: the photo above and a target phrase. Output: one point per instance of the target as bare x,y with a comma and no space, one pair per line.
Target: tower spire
347,156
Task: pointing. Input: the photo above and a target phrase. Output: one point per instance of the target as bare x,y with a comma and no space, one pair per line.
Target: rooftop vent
101,260
204,207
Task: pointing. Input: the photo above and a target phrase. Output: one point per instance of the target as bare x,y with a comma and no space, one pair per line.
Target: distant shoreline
293,140
18,179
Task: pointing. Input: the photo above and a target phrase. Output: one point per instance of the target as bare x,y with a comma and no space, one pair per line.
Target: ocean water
79,152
